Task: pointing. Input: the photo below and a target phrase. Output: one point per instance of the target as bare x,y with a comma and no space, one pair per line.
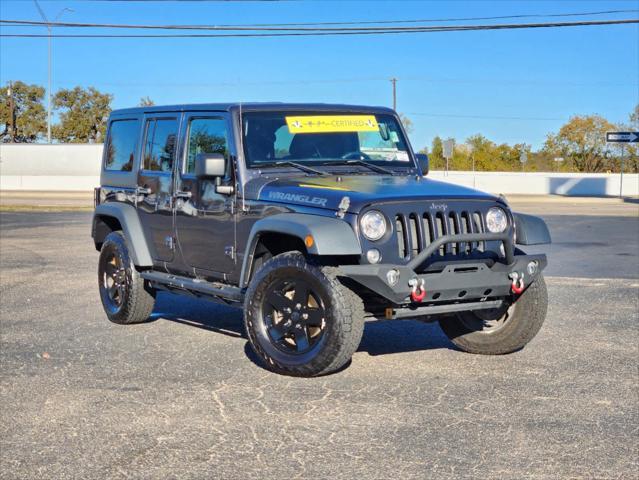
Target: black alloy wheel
294,315
114,281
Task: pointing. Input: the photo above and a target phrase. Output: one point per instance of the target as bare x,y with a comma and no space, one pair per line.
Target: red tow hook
517,286
418,292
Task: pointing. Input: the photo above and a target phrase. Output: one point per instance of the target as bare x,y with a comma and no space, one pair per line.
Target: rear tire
126,297
500,331
300,319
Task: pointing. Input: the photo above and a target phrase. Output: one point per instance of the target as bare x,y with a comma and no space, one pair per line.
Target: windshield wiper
371,166
286,163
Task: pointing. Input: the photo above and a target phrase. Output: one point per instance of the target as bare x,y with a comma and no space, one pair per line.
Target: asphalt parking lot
183,397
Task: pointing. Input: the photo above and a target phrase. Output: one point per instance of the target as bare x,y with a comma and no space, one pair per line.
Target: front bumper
467,280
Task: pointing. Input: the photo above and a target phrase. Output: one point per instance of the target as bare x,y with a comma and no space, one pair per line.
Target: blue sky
512,86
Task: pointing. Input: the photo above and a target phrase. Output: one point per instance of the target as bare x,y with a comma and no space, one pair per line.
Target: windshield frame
397,167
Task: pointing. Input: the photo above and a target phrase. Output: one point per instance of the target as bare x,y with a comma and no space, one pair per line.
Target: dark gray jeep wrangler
313,218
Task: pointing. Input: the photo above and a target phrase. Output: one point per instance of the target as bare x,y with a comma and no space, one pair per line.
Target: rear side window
206,135
123,136
159,144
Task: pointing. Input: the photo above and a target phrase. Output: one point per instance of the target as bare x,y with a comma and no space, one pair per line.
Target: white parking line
594,282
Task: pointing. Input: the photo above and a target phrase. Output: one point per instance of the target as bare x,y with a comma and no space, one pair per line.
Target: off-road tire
526,318
344,317
138,298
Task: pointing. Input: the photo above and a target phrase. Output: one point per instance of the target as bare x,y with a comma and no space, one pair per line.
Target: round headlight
373,225
496,220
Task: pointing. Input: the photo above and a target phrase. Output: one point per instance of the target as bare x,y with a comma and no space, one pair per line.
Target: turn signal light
308,241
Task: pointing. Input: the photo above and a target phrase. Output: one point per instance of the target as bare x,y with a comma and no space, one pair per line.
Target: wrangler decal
293,197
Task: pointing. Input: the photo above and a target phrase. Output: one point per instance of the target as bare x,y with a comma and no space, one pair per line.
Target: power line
248,26
290,28
341,32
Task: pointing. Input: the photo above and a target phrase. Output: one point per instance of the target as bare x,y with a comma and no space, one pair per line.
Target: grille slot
415,240
417,230
401,236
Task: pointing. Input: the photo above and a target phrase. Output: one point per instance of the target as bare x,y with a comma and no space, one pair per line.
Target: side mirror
422,159
213,166
210,165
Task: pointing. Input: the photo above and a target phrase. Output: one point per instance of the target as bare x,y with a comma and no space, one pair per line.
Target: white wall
69,167
570,184
77,168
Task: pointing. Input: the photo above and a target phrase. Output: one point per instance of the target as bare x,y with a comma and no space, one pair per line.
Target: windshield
323,139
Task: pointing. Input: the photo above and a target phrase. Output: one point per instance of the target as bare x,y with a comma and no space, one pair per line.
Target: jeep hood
362,190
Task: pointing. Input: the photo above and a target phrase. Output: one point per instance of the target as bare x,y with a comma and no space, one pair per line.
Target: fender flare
128,217
331,236
531,230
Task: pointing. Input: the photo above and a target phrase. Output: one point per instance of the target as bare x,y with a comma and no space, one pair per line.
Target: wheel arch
531,230
288,231
111,217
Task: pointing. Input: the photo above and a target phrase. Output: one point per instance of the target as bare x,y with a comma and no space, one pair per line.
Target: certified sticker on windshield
332,123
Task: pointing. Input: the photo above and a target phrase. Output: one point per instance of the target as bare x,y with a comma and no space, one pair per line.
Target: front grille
416,230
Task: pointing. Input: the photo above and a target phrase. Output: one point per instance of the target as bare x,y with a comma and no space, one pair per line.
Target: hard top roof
252,106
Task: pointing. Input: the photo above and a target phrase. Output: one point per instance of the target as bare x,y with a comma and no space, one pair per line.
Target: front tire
126,297
300,319
500,331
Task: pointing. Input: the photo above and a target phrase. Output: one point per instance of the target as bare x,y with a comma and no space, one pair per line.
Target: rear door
205,219
155,182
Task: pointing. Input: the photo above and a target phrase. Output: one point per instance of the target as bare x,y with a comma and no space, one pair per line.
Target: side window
160,144
206,135
123,136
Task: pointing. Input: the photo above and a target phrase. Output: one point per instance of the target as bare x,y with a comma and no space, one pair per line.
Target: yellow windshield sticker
332,123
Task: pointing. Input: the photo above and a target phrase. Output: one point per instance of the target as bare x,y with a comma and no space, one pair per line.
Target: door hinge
229,251
169,242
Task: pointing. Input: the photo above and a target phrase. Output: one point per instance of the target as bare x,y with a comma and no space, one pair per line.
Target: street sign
448,147
622,137
523,156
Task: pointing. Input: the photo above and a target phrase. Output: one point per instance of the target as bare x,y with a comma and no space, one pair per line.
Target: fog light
392,277
532,267
373,256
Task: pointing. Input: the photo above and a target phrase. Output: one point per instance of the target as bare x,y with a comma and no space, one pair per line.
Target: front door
155,183
204,219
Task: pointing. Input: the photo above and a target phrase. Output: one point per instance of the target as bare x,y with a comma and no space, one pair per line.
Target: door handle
183,194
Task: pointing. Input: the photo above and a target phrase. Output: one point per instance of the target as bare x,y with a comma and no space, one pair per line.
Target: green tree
634,118
436,156
582,142
632,149
83,116
407,123
30,115
481,152
146,102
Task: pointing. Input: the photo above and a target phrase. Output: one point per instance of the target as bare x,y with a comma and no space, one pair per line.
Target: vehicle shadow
384,337
198,313
381,337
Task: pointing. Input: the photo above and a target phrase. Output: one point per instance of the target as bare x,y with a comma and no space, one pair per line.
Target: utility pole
394,82
623,153
44,17
12,114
